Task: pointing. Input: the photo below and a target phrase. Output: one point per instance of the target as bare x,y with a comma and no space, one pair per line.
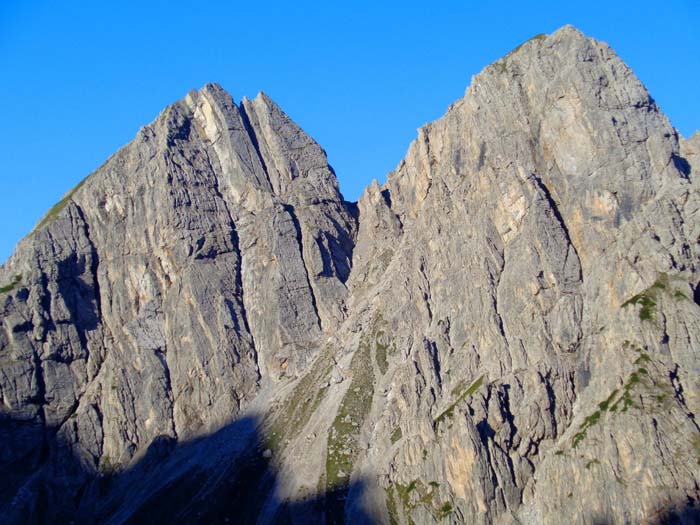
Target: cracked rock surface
504,332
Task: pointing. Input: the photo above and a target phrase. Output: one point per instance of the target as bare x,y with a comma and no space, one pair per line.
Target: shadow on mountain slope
221,478
224,477
682,513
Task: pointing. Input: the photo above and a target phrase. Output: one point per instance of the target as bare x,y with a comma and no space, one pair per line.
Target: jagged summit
504,332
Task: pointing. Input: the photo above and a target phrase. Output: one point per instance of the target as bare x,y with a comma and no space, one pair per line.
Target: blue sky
78,79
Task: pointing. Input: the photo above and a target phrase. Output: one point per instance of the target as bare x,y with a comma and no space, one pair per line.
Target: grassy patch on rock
502,64
58,207
449,412
445,510
380,355
12,284
382,348
415,494
591,463
649,298
391,507
343,436
621,400
300,405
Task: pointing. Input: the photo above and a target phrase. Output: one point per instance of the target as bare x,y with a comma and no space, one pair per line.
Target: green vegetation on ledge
56,209
620,401
344,433
649,298
502,64
449,413
537,38
343,436
591,463
445,510
301,403
12,285
381,349
380,353
391,507
416,493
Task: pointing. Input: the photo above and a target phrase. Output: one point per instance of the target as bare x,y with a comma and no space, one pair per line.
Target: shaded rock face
504,332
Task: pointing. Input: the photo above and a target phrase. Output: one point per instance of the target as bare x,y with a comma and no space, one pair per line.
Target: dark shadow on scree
680,513
224,477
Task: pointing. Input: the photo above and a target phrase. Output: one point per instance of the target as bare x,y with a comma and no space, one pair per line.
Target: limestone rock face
532,264
200,262
504,332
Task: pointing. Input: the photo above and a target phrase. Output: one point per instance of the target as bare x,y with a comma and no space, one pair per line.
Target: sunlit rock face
504,332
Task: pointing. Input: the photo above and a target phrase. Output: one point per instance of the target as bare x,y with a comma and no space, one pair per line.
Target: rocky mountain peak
503,332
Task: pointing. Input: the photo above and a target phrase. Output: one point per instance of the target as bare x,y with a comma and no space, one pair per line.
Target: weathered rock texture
504,332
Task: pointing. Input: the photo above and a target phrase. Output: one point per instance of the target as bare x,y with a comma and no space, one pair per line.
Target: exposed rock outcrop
504,332
204,259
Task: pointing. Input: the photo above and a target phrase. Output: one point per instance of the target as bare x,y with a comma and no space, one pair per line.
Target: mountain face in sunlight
204,331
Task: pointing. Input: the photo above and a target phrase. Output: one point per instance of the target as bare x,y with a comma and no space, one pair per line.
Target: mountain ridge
488,332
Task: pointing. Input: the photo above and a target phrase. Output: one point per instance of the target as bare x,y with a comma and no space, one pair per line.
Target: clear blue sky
78,79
